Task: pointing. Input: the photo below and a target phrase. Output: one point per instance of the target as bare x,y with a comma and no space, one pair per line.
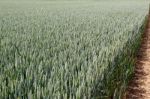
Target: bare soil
139,87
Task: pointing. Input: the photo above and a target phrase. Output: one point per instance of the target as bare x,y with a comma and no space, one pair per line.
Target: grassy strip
116,79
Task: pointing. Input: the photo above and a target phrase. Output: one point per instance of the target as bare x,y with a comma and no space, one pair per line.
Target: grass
68,50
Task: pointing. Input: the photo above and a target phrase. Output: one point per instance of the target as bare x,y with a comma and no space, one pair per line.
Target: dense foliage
68,50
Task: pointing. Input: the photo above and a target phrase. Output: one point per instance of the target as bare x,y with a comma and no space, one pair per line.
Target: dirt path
139,87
